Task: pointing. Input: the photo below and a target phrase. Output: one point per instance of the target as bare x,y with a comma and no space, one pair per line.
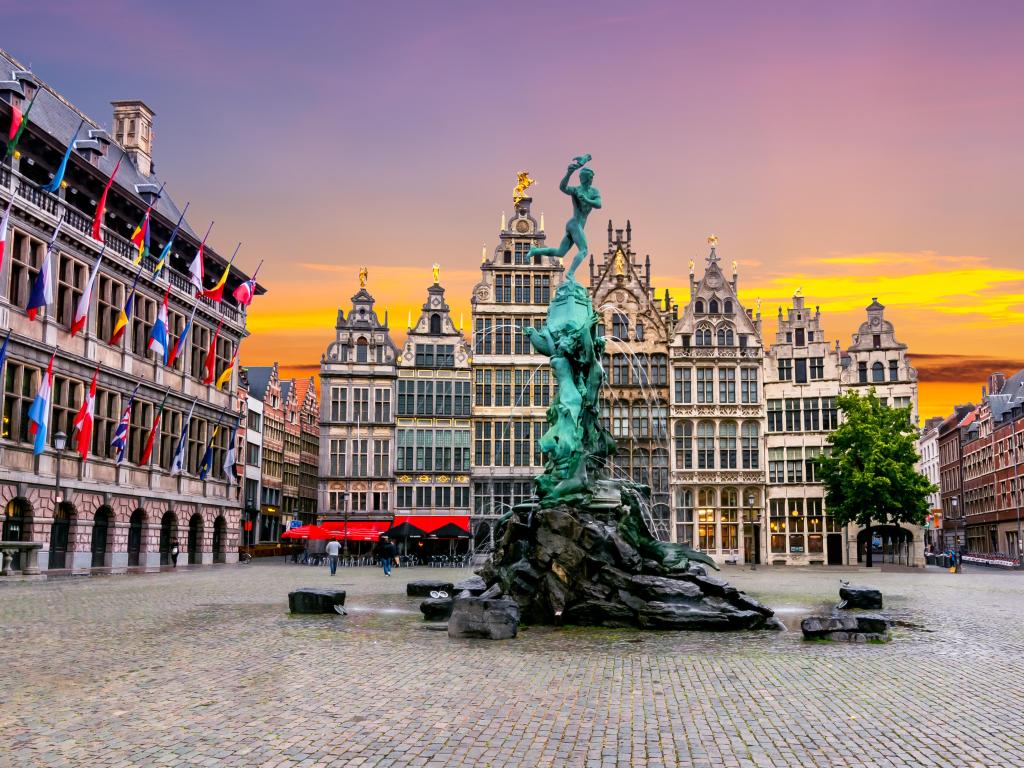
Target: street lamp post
60,441
344,502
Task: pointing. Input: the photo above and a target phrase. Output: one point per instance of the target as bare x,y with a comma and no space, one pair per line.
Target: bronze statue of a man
585,198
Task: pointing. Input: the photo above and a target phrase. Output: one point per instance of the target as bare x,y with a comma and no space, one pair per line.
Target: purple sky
329,135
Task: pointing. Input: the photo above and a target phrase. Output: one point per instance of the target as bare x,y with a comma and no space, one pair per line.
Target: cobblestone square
207,668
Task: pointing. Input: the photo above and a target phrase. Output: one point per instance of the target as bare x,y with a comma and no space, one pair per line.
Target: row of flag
82,427
140,239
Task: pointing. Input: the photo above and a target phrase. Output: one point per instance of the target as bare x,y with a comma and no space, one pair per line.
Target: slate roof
259,378
53,115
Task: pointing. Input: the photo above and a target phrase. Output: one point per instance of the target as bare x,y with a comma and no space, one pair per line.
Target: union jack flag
120,441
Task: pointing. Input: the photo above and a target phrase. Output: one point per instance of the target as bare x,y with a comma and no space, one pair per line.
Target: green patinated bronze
576,444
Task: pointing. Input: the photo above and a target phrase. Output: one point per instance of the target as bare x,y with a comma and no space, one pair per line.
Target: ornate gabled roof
428,331
714,291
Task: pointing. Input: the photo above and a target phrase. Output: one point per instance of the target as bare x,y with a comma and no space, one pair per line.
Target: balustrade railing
79,221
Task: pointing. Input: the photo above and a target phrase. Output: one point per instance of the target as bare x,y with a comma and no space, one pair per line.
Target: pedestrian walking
333,548
174,555
387,552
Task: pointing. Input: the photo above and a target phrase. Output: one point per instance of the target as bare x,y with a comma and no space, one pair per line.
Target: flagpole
156,417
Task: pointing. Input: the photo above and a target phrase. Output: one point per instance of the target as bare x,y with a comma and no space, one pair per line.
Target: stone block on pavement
496,619
424,587
315,600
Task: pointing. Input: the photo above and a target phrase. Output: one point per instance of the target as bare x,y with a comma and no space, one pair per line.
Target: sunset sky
854,149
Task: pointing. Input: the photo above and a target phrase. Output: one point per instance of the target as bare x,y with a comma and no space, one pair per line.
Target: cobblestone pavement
207,668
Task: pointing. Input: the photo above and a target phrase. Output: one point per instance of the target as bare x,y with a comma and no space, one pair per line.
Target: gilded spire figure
519,193
437,272
620,263
364,275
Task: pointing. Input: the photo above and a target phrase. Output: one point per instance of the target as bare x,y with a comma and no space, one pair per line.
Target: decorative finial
519,193
734,266
364,274
542,221
437,272
759,306
502,221
712,240
460,322
691,266
483,253
799,292
408,321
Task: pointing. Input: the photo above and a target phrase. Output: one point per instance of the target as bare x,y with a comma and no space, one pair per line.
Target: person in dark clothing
386,551
174,555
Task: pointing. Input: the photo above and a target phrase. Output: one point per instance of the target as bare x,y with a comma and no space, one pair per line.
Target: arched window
713,307
727,445
435,323
683,435
730,518
698,307
703,337
684,516
706,518
877,371
727,306
639,331
620,327
750,445
362,351
705,445
725,336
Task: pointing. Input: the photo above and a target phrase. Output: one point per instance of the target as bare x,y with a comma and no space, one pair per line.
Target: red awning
430,523
305,532
356,530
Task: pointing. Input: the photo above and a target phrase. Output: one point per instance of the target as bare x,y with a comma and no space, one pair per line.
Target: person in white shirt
333,548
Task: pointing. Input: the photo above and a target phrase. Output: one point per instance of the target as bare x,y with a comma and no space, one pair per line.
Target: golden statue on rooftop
620,263
519,193
364,274
437,272
712,240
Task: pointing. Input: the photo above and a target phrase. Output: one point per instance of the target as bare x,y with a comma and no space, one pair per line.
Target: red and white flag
210,366
196,268
83,421
3,230
82,310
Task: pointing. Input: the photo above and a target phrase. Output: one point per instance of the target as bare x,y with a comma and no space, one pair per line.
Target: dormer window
728,306
362,351
435,324
713,307
698,307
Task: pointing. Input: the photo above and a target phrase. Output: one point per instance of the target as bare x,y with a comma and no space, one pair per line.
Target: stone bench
854,596
424,587
849,628
482,617
437,608
315,600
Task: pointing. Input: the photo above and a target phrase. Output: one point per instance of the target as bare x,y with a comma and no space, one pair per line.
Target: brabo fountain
581,552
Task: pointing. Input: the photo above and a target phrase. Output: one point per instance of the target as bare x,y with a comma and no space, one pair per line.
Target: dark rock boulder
570,565
491,619
847,628
424,587
315,600
860,597
474,584
437,608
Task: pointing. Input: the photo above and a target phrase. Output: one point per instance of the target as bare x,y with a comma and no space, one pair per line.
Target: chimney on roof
996,382
133,130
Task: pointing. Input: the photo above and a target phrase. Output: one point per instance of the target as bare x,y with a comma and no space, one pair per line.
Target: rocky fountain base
599,566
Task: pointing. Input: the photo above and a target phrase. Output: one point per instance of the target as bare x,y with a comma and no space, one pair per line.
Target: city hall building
99,514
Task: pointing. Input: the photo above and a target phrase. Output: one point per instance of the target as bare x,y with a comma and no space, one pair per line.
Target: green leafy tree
869,477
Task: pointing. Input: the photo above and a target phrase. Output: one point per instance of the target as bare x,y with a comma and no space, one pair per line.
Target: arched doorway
435,324
17,525
195,538
889,544
168,536
135,526
101,529
220,529
60,531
